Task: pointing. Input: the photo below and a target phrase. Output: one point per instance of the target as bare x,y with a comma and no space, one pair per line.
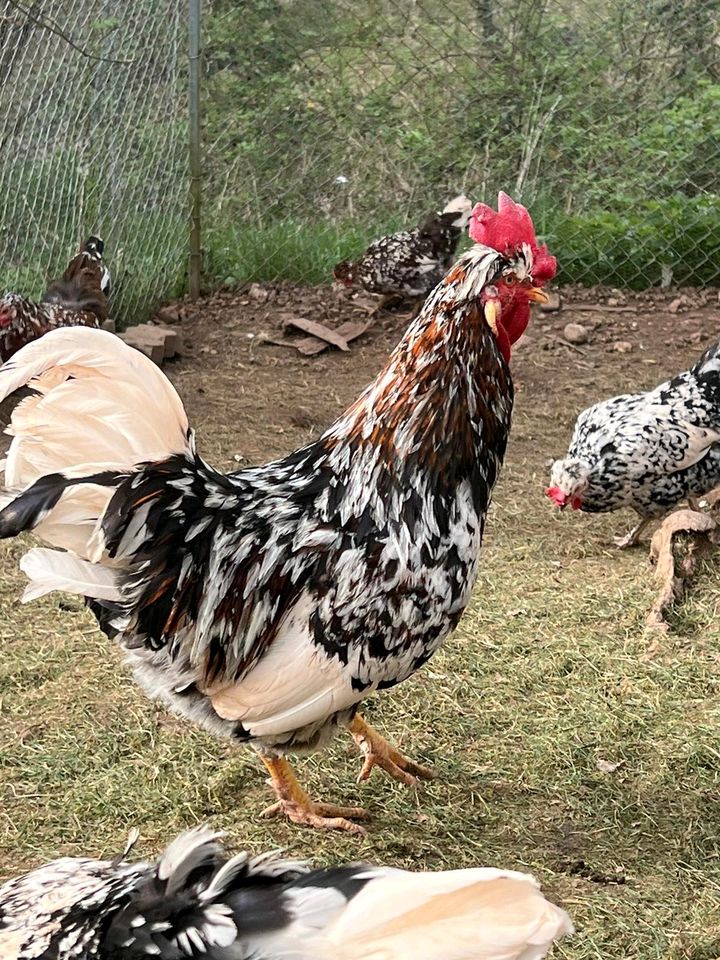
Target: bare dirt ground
568,742
231,375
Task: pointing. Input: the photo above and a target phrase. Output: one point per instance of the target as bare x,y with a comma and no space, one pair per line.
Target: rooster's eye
510,279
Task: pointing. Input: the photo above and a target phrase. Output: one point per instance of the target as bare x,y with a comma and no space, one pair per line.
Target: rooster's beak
536,295
491,310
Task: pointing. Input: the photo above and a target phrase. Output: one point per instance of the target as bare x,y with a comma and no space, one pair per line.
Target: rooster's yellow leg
379,753
297,806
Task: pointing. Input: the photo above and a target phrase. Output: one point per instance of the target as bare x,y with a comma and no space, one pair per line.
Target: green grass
627,246
287,250
549,673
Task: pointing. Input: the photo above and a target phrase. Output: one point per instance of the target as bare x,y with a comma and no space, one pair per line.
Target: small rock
609,766
256,292
613,302
172,313
158,343
621,346
675,305
576,333
553,303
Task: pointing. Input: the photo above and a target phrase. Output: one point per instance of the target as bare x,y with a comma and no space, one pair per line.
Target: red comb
509,228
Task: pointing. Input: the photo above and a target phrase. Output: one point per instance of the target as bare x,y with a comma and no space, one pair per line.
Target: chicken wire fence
93,139
329,122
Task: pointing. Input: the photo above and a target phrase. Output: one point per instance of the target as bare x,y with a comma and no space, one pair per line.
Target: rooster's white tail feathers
100,407
477,914
49,570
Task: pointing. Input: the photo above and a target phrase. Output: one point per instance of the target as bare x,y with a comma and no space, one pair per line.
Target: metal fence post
195,163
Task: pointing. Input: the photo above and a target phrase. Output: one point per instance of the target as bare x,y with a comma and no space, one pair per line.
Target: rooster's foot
297,806
379,753
322,816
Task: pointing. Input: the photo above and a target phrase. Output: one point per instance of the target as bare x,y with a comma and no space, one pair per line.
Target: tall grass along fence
326,122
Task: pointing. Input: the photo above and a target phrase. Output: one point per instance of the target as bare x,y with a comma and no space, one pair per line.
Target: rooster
266,604
78,298
411,263
198,902
647,451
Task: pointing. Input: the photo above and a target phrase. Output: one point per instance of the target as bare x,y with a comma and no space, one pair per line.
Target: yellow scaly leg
379,753
297,806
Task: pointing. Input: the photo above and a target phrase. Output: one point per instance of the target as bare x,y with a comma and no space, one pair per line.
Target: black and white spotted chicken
645,451
197,901
412,262
266,604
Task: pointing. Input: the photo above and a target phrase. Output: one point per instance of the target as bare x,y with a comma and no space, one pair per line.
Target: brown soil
250,400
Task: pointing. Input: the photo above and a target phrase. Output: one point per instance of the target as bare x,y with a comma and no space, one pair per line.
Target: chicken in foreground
78,298
196,901
646,451
409,264
265,605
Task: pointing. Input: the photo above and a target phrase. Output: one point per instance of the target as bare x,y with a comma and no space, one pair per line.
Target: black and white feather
646,451
197,901
412,262
267,604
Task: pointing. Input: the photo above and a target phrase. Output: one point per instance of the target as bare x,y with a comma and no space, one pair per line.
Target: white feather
50,570
461,205
100,403
477,914
100,406
272,700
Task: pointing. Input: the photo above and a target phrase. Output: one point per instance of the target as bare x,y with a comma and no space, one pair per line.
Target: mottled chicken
78,298
198,902
266,604
409,264
646,451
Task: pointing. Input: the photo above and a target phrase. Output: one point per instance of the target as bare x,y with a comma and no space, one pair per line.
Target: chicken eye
511,280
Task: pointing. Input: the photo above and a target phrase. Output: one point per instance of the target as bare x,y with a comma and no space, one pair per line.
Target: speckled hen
409,264
196,901
78,298
266,604
646,451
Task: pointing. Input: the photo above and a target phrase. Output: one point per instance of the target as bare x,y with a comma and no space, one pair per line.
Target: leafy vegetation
332,121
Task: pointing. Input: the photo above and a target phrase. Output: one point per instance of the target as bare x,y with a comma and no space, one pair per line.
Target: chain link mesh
93,139
329,122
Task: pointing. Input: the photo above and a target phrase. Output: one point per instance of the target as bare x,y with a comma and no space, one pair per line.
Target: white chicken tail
100,409
476,914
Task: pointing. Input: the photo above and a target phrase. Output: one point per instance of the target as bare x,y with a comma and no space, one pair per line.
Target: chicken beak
491,309
536,295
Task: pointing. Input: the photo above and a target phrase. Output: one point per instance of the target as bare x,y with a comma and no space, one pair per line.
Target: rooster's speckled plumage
267,604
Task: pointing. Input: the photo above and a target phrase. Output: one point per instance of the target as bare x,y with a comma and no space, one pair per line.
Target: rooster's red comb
509,228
